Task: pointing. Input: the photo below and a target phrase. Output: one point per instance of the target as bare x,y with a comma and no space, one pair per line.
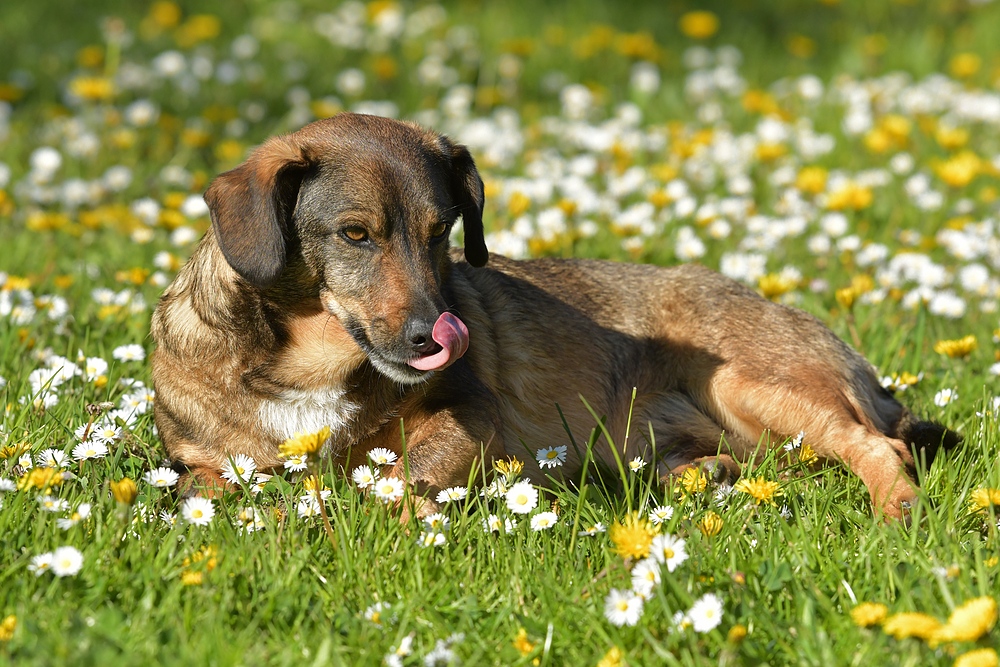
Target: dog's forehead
378,165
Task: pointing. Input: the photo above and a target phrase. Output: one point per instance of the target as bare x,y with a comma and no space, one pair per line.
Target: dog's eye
355,234
439,230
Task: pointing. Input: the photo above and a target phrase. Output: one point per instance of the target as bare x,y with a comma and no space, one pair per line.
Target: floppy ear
252,206
467,190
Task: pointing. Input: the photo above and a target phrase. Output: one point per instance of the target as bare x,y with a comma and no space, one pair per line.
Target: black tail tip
927,438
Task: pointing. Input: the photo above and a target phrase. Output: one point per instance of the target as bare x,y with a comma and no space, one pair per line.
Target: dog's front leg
448,435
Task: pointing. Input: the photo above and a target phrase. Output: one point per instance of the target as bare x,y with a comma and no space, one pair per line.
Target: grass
788,573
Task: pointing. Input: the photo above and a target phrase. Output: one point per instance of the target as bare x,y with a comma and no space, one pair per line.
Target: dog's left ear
467,191
252,207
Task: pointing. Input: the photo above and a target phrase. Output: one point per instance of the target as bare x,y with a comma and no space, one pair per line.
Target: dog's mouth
452,338
451,341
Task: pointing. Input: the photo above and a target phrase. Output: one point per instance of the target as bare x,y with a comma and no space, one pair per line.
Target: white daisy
380,613
668,550
944,397
494,524
297,463
250,519
706,612
452,493
308,506
636,464
161,477
105,432
389,489
522,498
645,577
364,477
94,367
658,515
7,484
239,468
40,564
81,513
132,352
550,457
431,538
260,480
622,607
53,458
52,504
66,561
437,522
544,521
168,518
496,489
381,456
198,511
590,531
90,450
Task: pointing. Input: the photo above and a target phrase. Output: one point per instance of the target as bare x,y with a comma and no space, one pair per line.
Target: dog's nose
418,334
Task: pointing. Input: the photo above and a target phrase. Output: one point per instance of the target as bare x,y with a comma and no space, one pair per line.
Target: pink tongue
453,336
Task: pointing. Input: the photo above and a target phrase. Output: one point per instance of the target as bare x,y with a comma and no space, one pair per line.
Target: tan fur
280,323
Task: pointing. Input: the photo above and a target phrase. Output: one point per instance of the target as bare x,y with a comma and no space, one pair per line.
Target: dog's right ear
252,206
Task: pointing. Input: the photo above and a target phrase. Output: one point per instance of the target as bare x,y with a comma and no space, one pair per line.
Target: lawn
840,156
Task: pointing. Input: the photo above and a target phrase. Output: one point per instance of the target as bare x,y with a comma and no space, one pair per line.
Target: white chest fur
299,411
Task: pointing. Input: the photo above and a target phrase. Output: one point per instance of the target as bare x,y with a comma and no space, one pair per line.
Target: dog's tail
925,437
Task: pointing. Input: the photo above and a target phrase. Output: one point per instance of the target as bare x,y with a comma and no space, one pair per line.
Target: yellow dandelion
960,347
801,46
951,138
969,622
304,443
613,658
523,645
711,524
984,498
40,478
992,562
13,451
7,627
699,24
693,480
959,170
846,296
737,633
964,65
761,490
773,285
508,467
983,657
124,491
811,180
868,614
92,88
632,536
189,578
911,624
850,196
807,455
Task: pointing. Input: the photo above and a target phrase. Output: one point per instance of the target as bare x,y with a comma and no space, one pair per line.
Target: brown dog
325,295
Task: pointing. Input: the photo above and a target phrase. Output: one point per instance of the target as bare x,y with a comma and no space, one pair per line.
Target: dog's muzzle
452,340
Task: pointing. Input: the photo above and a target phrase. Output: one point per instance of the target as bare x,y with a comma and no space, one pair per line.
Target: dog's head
367,205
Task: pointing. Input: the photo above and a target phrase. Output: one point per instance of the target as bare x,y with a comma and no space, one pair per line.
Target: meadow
841,156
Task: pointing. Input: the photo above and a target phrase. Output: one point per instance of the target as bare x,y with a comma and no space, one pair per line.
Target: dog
325,294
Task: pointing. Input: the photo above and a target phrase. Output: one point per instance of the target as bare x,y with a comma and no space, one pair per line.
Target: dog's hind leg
844,418
685,437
